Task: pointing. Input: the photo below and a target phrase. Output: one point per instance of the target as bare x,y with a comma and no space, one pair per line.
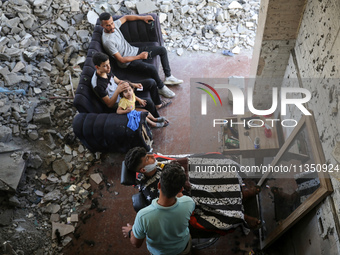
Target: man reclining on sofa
132,57
218,197
107,86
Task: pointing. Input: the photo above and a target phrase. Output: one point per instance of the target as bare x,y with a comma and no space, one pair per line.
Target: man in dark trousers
131,57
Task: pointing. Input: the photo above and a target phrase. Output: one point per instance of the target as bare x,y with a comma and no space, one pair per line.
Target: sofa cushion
108,132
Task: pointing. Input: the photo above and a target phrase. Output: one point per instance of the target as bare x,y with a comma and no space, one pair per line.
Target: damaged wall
313,65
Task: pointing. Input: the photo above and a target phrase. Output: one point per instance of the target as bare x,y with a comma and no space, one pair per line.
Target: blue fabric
15,91
134,120
165,228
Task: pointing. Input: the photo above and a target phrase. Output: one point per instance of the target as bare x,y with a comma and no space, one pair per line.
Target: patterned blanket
215,190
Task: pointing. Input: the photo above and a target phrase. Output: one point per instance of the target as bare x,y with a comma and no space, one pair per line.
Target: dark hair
104,16
172,179
99,57
134,157
121,93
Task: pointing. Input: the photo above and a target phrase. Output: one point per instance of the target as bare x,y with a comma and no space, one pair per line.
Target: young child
127,104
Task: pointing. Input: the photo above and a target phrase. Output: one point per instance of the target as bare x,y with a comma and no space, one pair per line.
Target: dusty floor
99,230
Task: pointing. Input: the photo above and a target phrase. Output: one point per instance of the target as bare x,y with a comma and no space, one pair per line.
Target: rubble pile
198,25
43,44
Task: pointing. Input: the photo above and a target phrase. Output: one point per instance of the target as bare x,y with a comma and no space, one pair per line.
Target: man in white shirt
131,57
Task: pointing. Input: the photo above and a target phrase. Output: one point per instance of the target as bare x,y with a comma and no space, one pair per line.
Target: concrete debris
60,167
146,6
74,217
96,178
62,228
235,5
187,19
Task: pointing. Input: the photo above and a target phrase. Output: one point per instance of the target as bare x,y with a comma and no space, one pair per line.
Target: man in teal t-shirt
165,222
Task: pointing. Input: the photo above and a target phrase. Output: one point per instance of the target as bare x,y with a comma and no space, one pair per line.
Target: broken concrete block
201,5
66,240
162,17
179,51
72,188
5,134
74,6
39,193
130,4
12,79
14,201
54,217
236,50
51,196
63,24
52,178
96,178
62,228
37,90
60,167
51,208
86,185
235,5
42,116
45,66
18,67
13,167
74,217
66,178
67,149
146,6
35,161
6,217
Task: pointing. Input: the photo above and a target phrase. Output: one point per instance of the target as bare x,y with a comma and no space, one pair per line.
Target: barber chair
200,239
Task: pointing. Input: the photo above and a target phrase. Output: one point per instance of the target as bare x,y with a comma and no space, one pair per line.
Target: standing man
165,222
131,57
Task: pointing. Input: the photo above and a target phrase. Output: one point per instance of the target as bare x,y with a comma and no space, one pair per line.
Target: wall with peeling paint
313,64
311,61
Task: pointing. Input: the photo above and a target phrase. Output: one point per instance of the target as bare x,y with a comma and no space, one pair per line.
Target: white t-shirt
115,42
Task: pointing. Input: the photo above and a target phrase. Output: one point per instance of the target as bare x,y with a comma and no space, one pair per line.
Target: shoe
166,92
164,103
172,80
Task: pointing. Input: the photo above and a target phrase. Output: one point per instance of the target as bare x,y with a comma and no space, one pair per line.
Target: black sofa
96,126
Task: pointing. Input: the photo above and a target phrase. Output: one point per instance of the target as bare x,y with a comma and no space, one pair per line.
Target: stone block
146,6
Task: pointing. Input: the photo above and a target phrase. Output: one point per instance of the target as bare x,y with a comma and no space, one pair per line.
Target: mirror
298,182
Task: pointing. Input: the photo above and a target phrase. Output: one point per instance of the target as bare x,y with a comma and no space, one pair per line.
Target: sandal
163,124
164,103
161,119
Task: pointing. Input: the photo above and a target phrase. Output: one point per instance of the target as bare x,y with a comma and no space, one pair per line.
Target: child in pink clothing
127,104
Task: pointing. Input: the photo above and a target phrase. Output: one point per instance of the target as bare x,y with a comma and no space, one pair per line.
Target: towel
134,119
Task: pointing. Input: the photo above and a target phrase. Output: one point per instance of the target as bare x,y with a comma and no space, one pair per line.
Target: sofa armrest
109,133
138,201
127,178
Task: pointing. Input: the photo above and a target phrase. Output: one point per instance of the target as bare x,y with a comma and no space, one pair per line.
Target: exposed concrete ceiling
283,19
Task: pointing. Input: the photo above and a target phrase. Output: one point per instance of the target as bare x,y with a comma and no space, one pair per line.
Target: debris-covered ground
43,44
